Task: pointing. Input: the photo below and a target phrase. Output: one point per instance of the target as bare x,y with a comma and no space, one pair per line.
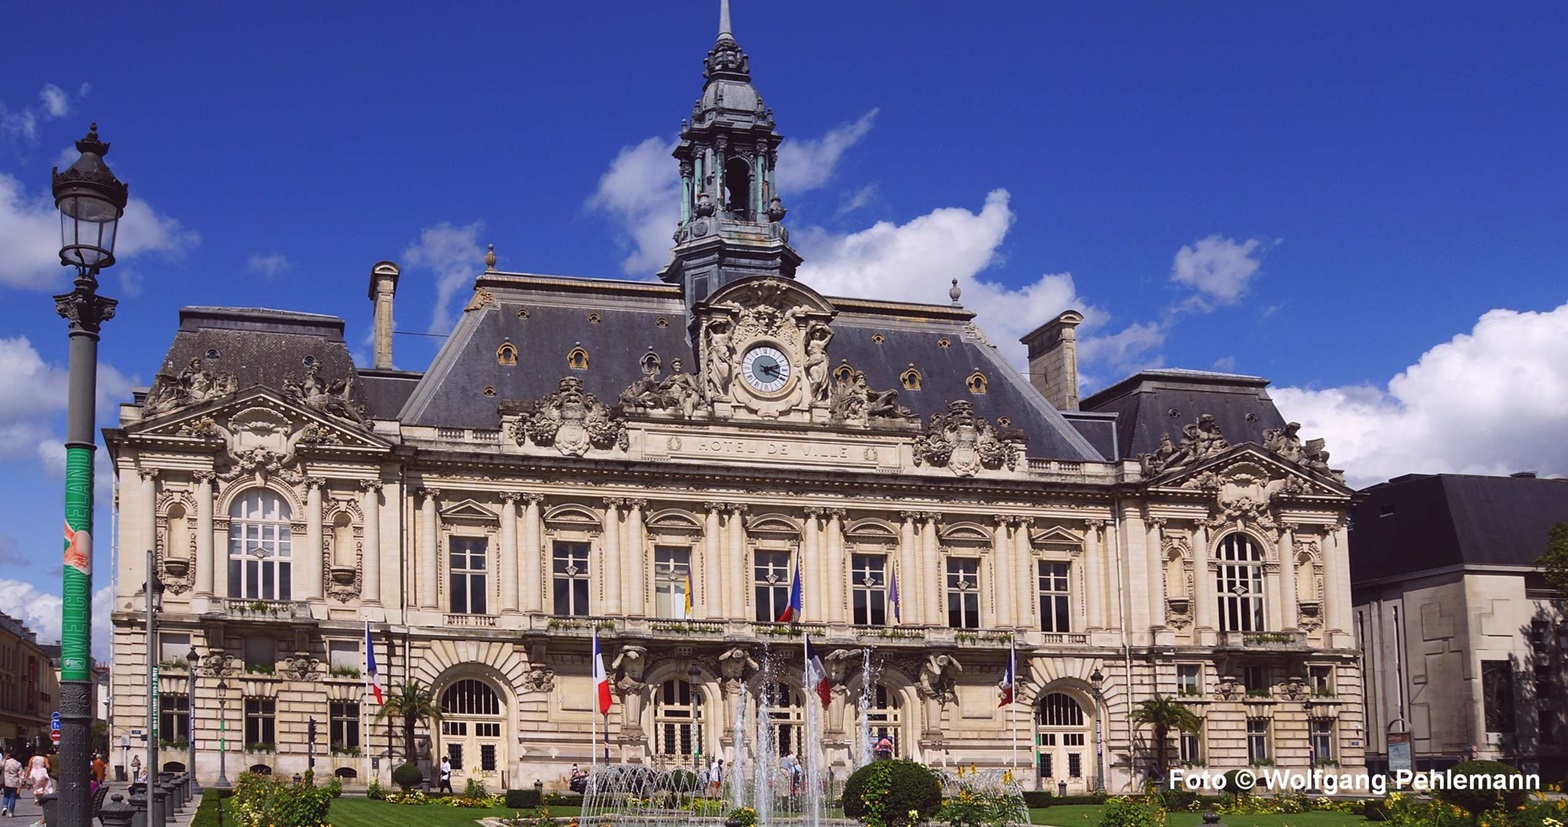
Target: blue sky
1363,202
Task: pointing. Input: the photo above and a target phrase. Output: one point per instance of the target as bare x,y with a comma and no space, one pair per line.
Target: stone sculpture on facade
1288,445
719,363
734,666
300,666
1200,440
331,398
192,385
630,664
678,393
853,402
539,679
571,421
818,389
937,677
963,443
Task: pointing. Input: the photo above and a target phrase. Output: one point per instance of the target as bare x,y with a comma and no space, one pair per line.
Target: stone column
836,565
508,562
1271,597
636,557
307,566
1001,565
610,556
1336,580
930,580
429,551
1114,568
1205,595
370,561
1094,575
908,553
1135,540
1026,578
212,569
816,608
532,586
735,560
713,606
1287,575
1156,572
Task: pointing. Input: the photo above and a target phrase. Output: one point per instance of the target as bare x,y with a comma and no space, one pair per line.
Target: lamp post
154,588
191,661
692,674
91,201
223,747
1099,739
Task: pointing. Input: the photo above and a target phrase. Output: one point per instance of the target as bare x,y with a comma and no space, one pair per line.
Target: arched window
470,697
910,378
259,556
472,726
1240,583
976,382
506,354
884,720
1062,732
787,715
577,359
673,732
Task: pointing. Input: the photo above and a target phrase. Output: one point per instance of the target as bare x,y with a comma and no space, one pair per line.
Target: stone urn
343,575
176,567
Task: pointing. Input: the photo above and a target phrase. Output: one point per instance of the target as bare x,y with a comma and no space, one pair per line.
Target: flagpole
1012,708
593,731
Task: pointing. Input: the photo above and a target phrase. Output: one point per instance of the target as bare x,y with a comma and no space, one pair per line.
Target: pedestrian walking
446,774
11,778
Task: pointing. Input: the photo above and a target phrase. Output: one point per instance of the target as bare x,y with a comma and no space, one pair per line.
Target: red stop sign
55,736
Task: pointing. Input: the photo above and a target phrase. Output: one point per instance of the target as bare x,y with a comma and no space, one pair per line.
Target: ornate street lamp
154,588
693,673
191,661
1099,738
91,201
223,748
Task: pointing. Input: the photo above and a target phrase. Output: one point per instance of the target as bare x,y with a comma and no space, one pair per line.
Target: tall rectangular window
1322,730
1240,584
671,568
868,589
1191,748
466,572
963,593
174,717
1497,695
260,550
342,726
261,723
1255,679
1054,615
1322,680
1189,680
1257,740
570,578
771,580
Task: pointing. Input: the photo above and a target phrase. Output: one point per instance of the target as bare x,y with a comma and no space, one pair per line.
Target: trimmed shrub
260,801
1038,798
523,799
1122,812
1477,801
681,781
563,799
884,793
407,776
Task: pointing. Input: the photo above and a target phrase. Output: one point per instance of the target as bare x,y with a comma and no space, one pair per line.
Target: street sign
54,722
1399,748
55,736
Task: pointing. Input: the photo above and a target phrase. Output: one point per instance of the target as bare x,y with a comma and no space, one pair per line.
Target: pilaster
370,571
509,552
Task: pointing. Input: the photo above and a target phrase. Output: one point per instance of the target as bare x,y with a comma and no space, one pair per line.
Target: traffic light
310,731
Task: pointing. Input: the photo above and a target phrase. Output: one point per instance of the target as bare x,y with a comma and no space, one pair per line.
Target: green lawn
362,812
1087,816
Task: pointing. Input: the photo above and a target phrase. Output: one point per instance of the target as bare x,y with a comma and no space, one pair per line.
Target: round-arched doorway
1064,743
473,734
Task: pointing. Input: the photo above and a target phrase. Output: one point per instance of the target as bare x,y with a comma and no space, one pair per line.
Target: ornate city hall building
659,462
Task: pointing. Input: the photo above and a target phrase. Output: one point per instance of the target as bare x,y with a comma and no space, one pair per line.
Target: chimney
1053,360
383,284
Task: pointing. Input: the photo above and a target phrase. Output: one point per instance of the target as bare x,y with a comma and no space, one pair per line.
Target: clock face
765,368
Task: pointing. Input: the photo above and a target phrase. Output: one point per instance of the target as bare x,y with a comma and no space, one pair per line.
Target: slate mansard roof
1424,522
1157,402
617,322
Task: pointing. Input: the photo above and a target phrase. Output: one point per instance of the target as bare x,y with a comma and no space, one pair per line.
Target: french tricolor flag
601,678
1009,681
816,676
372,677
792,611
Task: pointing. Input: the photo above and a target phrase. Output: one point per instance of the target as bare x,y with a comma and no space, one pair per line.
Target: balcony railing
468,620
262,609
1263,640
874,636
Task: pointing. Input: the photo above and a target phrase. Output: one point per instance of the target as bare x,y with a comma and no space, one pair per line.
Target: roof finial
724,21
490,260
953,292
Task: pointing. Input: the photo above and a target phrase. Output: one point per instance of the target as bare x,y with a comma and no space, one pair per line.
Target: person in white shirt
446,773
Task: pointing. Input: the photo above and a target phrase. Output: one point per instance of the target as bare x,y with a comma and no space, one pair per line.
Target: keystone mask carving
963,443
572,422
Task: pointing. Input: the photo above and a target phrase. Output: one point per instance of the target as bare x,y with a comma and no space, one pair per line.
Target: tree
410,703
1554,563
1164,714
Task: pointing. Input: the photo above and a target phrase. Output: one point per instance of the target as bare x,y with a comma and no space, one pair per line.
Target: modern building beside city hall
660,462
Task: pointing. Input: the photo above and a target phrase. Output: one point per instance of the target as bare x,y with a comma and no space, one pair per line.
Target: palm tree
1164,714
411,703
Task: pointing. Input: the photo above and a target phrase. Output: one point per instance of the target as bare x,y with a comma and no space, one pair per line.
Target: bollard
160,800
1061,788
115,812
174,800
138,809
51,805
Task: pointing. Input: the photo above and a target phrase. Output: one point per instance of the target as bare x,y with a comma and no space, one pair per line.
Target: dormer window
976,382
506,354
577,359
910,378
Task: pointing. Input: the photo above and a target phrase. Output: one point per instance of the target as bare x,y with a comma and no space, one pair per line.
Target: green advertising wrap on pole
76,595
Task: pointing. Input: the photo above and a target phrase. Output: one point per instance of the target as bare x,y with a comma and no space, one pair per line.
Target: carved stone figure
837,665
631,661
1200,440
720,360
735,664
1315,456
539,679
331,398
816,368
937,676
300,666
216,664
1284,441
572,421
681,390
963,442
205,427
192,385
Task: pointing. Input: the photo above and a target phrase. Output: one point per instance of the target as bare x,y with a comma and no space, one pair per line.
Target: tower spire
724,21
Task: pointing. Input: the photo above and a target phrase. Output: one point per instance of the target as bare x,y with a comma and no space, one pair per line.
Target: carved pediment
259,418
470,511
1247,486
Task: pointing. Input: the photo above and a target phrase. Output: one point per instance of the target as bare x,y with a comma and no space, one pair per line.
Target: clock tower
730,220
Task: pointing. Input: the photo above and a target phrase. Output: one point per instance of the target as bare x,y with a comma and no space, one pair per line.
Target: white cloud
30,236
809,163
454,255
1487,402
857,199
39,610
57,104
269,266
1218,268
30,414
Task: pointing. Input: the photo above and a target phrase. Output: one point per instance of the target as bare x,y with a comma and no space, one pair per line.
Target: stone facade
29,685
658,463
